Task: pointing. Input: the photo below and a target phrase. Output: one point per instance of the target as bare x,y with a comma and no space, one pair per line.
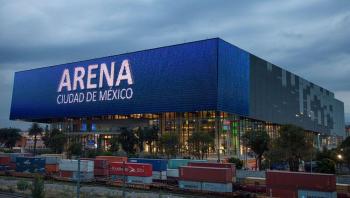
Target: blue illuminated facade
204,85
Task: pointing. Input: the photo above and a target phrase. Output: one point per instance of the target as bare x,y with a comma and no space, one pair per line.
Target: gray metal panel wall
281,97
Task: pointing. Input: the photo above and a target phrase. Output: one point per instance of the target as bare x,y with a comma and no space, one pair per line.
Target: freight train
185,175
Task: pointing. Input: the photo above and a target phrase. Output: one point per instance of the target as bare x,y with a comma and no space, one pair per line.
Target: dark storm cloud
309,38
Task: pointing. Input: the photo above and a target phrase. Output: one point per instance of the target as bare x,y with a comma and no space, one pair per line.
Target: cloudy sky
310,38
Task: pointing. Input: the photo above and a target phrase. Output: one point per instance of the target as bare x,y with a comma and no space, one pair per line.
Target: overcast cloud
309,38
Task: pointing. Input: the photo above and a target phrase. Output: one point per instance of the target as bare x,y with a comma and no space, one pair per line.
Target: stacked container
159,166
30,165
134,172
231,166
13,156
175,164
101,167
51,163
293,184
4,162
206,178
69,169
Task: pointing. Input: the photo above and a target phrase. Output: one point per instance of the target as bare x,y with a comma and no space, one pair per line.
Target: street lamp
340,156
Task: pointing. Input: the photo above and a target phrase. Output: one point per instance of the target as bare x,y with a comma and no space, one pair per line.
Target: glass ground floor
225,128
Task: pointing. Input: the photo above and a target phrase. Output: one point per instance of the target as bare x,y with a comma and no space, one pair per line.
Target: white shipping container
190,185
217,187
139,180
318,194
172,172
72,165
84,176
161,175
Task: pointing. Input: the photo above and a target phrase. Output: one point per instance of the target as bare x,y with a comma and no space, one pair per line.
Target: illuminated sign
106,74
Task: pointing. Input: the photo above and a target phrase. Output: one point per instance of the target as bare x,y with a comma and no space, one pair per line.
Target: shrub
38,188
22,185
236,161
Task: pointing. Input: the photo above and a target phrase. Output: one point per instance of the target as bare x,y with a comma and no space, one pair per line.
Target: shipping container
193,185
117,177
13,156
130,169
217,187
113,158
157,164
84,176
176,163
139,180
30,164
101,164
172,173
301,180
160,175
12,166
215,165
72,165
101,172
318,194
66,174
4,168
51,159
51,168
282,193
5,160
205,174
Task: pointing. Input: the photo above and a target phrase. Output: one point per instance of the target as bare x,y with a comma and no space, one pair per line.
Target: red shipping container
131,169
5,160
215,165
101,172
205,174
282,193
67,174
51,168
113,158
101,164
12,165
300,180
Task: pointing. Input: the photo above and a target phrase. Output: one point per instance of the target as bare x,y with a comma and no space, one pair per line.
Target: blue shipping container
30,164
157,164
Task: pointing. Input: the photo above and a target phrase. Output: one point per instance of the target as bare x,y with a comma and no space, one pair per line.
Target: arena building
210,86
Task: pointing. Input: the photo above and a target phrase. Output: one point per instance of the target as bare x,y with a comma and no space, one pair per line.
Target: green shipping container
176,163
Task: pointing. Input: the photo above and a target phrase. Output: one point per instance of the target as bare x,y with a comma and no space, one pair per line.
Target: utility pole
124,178
78,179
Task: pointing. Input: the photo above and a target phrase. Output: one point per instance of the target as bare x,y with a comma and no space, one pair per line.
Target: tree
127,140
140,138
9,136
326,166
35,130
75,149
344,151
38,188
150,135
199,143
114,144
238,163
55,140
293,145
258,142
170,143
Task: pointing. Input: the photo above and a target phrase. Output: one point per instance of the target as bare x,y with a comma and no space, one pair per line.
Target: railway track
10,195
